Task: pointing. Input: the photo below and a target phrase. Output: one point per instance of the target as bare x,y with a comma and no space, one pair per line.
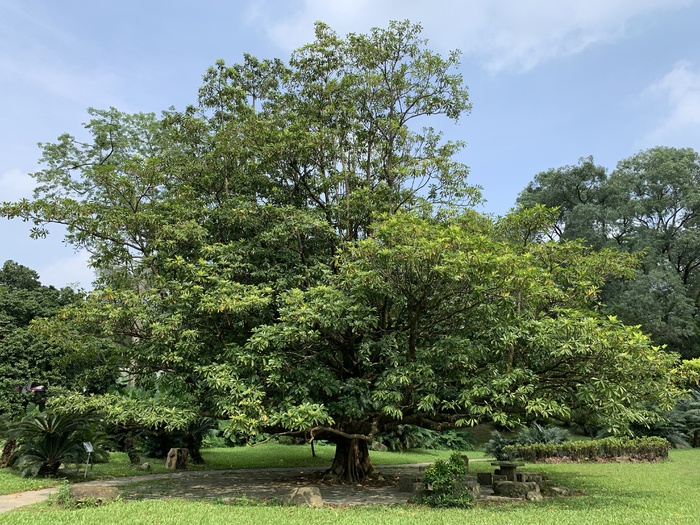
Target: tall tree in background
650,204
33,367
293,254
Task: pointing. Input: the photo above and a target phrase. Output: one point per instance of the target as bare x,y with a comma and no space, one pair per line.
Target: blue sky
550,80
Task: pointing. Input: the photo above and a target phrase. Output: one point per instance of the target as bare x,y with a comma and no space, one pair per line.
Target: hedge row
607,449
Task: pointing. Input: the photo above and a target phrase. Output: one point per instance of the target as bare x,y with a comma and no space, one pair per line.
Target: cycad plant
680,426
46,440
535,433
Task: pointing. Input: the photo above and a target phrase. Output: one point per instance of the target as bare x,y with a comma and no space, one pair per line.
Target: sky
550,81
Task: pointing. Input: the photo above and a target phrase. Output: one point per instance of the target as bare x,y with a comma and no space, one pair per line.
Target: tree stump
177,459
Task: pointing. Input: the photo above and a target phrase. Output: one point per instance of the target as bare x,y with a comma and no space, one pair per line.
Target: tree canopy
31,365
650,204
295,254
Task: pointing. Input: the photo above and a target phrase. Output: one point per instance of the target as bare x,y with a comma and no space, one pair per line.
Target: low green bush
639,449
445,486
156,443
63,497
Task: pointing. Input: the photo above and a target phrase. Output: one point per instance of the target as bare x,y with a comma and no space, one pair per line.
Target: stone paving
273,483
260,484
222,485
12,501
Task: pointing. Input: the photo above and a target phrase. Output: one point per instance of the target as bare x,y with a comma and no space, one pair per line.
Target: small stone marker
410,484
308,496
99,495
177,459
515,489
473,486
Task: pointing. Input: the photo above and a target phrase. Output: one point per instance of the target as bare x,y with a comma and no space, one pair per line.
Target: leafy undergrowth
665,493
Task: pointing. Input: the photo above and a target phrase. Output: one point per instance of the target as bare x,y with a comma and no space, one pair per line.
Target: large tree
292,254
650,203
33,366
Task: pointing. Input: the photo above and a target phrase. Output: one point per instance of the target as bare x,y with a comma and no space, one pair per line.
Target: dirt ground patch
265,484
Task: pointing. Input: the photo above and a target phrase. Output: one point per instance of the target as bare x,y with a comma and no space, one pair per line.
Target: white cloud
68,271
59,80
36,53
15,185
502,34
677,97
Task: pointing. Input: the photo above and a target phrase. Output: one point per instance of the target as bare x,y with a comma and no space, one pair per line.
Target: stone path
271,483
263,484
20,499
227,484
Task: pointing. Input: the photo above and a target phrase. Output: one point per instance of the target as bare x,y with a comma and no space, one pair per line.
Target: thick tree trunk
130,446
7,451
351,462
194,448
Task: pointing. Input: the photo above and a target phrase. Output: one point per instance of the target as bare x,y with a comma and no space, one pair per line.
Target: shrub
157,443
640,449
680,426
444,483
63,497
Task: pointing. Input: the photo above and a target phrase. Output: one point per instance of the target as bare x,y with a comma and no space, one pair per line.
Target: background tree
578,193
648,204
32,367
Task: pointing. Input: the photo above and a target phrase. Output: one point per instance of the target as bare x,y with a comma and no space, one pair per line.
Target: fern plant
406,437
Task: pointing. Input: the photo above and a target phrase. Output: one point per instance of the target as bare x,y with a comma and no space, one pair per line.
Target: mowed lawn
610,493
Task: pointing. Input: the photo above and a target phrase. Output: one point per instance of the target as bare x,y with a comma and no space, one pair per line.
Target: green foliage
680,426
606,449
533,434
31,366
293,253
46,440
63,497
155,443
650,204
153,420
444,483
406,437
132,407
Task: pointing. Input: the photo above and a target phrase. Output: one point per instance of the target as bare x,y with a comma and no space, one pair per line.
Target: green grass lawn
10,482
611,493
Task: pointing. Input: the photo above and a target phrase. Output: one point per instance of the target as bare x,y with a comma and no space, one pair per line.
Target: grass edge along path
665,493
